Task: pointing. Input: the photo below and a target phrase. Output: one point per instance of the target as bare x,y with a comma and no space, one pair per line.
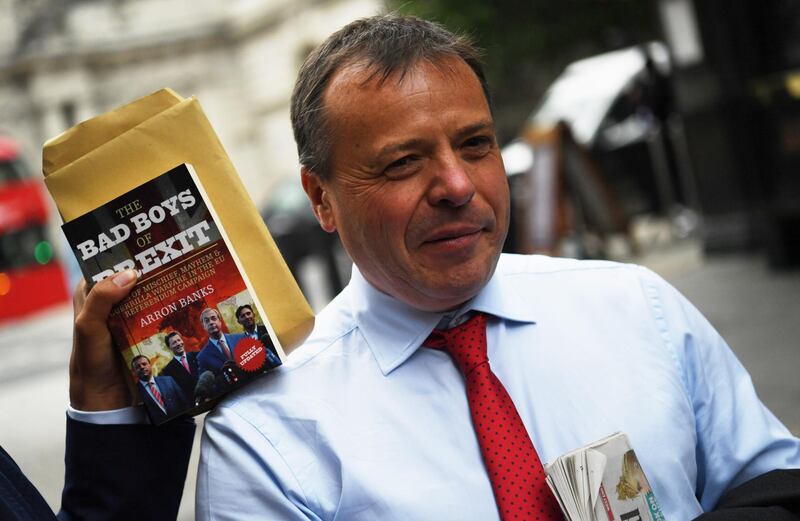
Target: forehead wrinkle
338,95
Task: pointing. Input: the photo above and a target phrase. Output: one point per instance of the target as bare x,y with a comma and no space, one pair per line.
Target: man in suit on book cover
220,346
247,319
109,444
162,396
183,366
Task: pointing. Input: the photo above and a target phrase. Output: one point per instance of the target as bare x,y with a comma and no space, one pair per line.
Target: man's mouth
452,233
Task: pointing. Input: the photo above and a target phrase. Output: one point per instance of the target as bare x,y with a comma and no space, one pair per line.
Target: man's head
174,342
211,322
141,366
389,45
246,318
398,154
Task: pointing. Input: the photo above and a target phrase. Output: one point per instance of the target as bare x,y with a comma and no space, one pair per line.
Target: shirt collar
394,330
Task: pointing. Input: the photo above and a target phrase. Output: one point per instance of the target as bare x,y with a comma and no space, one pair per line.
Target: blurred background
662,132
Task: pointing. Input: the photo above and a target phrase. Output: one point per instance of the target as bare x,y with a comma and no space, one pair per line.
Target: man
220,346
162,396
183,366
109,445
247,319
398,153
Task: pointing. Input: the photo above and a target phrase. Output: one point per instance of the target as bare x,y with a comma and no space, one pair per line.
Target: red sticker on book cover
250,354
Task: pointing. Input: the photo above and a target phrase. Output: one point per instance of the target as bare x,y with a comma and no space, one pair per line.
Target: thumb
97,381
98,302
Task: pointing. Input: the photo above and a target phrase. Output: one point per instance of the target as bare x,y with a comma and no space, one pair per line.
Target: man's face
247,319
417,189
141,366
212,324
176,345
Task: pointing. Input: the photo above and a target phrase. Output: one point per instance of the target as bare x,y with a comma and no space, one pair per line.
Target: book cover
192,329
603,481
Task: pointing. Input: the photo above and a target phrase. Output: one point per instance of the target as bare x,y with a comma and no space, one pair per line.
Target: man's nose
452,182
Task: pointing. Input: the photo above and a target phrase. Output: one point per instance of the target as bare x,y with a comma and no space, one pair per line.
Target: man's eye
403,161
478,146
404,166
478,142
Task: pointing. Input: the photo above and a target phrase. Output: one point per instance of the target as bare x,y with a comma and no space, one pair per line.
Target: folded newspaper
603,481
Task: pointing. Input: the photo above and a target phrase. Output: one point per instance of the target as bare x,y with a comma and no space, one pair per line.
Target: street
754,309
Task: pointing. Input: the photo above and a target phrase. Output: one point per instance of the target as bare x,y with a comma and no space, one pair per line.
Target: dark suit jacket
210,357
774,496
105,467
187,381
174,399
260,331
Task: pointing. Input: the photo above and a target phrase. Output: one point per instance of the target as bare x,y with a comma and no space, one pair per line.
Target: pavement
755,309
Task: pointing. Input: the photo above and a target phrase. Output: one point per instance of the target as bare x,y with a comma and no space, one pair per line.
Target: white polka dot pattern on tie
516,474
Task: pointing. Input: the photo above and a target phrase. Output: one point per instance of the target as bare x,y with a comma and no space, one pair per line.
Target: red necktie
185,364
224,344
515,471
156,394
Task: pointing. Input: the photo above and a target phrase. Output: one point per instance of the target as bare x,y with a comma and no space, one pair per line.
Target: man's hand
97,381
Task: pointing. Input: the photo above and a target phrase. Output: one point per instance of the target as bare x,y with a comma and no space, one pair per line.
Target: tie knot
465,343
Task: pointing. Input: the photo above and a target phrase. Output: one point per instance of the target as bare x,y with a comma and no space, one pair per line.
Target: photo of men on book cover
190,330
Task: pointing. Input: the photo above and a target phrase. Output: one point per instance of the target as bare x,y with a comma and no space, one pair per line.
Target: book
110,154
603,481
192,329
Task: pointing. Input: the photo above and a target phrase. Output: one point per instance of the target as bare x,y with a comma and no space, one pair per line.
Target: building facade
63,61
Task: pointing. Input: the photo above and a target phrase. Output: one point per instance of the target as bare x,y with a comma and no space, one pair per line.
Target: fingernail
124,278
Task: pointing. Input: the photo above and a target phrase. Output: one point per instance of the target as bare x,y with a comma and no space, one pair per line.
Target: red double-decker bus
31,279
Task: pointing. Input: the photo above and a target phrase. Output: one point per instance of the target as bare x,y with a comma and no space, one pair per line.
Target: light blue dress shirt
361,423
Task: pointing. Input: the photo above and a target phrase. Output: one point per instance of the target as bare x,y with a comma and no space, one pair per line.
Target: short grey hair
387,44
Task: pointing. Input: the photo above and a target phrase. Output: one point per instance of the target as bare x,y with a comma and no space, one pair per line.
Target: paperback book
603,481
192,329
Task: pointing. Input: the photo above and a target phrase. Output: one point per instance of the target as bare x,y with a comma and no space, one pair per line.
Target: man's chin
450,290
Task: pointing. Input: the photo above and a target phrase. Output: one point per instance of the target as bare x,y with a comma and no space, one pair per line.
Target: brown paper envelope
88,135
107,156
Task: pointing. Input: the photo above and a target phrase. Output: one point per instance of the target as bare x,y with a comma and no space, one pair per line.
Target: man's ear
317,191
